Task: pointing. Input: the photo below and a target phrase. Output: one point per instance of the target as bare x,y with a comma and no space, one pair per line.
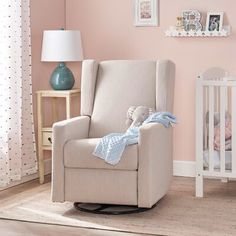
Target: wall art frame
146,12
214,21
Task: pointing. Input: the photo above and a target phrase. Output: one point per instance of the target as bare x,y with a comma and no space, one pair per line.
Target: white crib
215,93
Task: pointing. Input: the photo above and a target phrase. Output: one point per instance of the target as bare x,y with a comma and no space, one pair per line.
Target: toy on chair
136,115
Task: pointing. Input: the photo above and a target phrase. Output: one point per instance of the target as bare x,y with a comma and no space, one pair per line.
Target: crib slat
223,101
199,137
216,100
233,120
199,125
226,98
211,128
205,109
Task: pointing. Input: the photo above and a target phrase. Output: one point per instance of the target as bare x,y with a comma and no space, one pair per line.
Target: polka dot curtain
17,138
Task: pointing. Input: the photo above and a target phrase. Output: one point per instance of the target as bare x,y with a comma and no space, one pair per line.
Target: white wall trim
184,168
47,169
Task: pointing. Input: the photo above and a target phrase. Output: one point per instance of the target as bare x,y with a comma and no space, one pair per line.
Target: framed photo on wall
146,12
214,21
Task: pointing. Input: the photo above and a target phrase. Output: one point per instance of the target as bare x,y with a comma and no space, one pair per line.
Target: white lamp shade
62,46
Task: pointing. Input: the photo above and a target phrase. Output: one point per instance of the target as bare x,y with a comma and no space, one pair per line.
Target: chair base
109,209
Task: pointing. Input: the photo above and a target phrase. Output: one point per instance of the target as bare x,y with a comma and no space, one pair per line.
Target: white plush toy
136,115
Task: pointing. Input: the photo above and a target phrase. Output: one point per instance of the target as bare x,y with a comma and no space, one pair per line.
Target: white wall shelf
225,32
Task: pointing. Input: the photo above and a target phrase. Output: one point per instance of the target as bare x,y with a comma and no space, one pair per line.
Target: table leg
40,139
68,107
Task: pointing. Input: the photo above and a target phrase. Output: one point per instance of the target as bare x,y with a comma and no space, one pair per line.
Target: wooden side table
45,133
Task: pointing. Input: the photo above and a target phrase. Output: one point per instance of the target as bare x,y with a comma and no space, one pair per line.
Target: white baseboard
184,168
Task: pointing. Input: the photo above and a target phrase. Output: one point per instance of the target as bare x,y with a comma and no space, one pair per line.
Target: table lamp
62,46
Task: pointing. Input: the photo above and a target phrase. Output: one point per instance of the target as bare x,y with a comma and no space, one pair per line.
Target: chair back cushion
119,85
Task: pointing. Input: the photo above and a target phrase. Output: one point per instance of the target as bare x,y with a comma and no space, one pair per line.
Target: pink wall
108,33
44,15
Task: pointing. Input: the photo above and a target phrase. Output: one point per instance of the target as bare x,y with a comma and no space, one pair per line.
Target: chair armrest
63,131
155,163
75,128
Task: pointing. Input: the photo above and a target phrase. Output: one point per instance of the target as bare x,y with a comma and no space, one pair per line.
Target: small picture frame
214,21
146,12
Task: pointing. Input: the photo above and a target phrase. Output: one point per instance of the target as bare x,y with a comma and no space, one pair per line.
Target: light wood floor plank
16,228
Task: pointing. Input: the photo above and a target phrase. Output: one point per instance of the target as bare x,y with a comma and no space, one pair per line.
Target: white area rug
179,213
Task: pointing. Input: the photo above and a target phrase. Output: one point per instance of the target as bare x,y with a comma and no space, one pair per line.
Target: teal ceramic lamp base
62,78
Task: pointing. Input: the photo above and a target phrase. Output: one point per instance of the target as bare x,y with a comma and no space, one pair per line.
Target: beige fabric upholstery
88,82
78,154
155,163
75,128
122,81
101,186
165,83
108,89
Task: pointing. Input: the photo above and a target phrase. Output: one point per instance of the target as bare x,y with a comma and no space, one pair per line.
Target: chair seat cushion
79,154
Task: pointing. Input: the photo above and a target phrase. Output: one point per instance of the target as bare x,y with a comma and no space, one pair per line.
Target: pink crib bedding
228,132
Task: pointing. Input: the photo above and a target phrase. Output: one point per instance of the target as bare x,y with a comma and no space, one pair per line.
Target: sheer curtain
17,139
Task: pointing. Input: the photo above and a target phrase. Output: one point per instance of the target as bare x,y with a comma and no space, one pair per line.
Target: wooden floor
12,228
217,195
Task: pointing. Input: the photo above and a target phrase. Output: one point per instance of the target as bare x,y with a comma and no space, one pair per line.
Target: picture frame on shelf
214,21
146,12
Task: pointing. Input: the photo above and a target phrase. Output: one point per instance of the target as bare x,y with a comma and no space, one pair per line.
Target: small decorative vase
179,23
62,78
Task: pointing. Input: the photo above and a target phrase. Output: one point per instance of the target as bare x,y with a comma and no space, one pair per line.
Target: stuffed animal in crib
228,132
136,115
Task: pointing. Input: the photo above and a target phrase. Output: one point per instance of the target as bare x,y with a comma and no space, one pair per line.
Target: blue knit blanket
111,147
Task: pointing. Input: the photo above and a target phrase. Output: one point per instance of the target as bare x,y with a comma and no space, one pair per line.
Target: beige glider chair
108,89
